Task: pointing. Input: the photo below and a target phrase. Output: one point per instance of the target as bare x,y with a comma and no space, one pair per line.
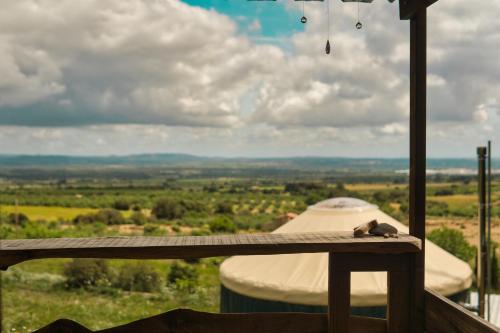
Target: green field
48,213
38,292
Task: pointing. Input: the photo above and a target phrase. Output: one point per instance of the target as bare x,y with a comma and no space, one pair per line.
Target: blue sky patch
276,21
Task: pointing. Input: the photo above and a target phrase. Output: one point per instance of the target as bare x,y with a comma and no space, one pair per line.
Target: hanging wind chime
303,19
327,48
358,25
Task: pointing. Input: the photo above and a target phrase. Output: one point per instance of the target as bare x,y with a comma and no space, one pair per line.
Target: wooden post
482,248
418,100
399,297
339,295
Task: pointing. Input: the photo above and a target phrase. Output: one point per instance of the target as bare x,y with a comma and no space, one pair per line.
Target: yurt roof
302,278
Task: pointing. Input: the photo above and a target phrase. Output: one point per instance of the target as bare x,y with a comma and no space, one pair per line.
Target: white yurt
298,282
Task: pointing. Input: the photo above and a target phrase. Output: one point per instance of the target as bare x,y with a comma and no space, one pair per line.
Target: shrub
444,192
86,273
224,208
41,229
18,218
121,204
139,277
84,219
107,216
138,218
151,230
182,275
437,208
222,224
454,242
110,217
168,209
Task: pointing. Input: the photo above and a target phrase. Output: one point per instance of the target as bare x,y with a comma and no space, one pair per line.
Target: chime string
328,19
358,11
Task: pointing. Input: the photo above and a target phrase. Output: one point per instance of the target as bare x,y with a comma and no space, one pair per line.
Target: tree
139,277
121,204
168,209
454,242
224,208
85,273
110,217
18,218
222,224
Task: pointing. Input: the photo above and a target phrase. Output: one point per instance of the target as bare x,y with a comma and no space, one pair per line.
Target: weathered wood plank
418,125
444,316
189,321
16,251
398,301
339,294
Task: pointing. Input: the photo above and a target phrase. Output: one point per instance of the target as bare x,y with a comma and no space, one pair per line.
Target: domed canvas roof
303,278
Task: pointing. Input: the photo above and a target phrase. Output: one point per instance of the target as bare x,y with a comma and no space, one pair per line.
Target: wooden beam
408,8
189,321
339,295
399,299
445,316
418,100
16,251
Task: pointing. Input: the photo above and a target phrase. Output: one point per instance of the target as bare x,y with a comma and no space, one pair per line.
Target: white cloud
183,77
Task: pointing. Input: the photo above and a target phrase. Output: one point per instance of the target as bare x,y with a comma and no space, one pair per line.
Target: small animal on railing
374,228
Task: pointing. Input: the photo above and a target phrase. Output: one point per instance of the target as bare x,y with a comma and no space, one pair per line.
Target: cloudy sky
241,78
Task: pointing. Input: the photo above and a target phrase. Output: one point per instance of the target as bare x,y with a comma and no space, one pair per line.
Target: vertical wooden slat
482,253
339,295
398,300
418,100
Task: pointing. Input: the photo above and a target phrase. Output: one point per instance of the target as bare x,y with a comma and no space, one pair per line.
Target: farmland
38,292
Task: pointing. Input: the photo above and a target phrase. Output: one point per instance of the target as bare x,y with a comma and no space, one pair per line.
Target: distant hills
185,160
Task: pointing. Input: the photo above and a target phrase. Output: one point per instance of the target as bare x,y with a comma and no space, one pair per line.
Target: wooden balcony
347,254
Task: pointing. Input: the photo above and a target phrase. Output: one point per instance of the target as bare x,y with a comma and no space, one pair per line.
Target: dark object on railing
362,229
189,321
385,230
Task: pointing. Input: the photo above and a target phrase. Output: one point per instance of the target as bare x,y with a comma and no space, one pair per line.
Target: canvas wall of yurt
299,282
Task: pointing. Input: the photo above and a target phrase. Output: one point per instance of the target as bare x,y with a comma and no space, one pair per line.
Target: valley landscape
47,197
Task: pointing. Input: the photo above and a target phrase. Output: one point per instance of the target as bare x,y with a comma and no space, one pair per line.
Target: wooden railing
347,254
444,316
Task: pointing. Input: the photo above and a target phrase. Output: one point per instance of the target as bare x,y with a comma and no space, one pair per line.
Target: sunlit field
38,292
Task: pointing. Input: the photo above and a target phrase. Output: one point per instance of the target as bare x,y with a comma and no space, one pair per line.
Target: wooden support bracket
408,8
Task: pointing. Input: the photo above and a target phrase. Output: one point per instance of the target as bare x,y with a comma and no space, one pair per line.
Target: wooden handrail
15,251
445,316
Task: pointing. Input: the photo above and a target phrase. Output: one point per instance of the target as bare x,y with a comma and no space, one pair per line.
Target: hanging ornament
327,47
303,19
358,25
